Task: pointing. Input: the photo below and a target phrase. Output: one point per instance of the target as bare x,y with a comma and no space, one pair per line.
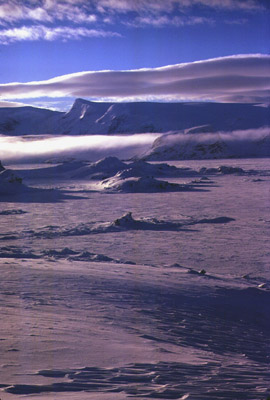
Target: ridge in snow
143,184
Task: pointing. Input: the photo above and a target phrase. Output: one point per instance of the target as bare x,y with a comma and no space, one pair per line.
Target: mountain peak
80,101
80,107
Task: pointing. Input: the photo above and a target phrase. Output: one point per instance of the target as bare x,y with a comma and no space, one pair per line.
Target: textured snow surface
125,222
125,295
105,168
143,184
12,187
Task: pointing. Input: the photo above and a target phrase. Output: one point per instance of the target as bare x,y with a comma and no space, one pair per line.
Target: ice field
119,291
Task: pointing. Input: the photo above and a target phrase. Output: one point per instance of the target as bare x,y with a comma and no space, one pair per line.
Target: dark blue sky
44,39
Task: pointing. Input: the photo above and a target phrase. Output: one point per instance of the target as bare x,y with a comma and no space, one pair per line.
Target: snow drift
143,184
124,223
104,168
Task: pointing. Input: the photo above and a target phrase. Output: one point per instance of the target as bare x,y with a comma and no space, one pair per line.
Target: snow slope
13,189
236,144
143,184
10,184
87,117
27,120
104,168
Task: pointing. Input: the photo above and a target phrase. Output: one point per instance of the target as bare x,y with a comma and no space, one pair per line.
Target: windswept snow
152,333
143,168
105,168
12,187
124,223
110,294
76,170
54,255
223,169
143,184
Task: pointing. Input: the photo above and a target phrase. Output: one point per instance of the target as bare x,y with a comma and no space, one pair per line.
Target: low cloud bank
236,144
246,143
233,137
37,149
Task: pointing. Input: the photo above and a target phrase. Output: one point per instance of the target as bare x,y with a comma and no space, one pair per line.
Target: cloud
11,104
170,5
45,11
95,147
79,11
244,78
41,32
92,147
241,143
163,20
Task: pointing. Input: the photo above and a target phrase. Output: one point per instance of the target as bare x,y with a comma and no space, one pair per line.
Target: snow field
103,295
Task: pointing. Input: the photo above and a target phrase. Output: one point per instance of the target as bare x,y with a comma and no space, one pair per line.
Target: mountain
27,120
235,144
86,117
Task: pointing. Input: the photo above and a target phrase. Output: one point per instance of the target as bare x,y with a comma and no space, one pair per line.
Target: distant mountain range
87,117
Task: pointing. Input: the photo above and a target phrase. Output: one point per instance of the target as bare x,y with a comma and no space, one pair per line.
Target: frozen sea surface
171,301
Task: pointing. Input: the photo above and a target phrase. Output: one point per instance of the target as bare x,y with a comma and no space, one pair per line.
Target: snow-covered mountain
87,117
211,145
27,120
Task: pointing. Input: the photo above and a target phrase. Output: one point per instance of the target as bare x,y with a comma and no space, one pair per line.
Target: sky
53,51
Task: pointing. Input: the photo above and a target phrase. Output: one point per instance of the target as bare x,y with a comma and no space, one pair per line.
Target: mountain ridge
88,117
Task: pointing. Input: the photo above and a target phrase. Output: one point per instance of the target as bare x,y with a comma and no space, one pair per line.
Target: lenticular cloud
239,78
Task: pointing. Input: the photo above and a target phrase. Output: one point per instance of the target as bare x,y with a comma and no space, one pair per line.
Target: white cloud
163,20
94,147
79,11
169,5
11,104
244,78
45,11
41,32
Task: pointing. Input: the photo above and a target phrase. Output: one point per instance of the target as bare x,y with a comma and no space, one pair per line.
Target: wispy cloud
163,20
45,11
239,21
11,104
79,11
169,5
41,32
240,78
